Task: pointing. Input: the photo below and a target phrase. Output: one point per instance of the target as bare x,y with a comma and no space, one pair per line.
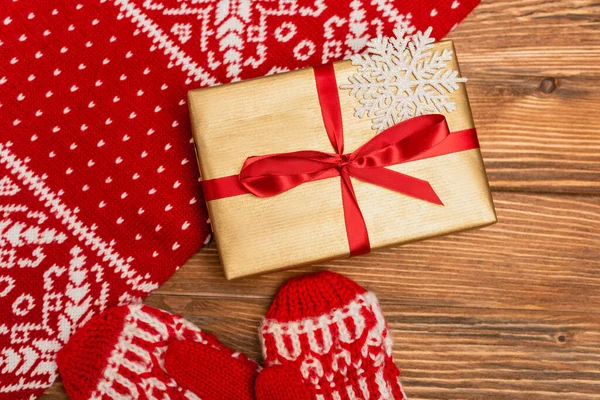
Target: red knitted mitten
211,372
331,333
282,383
139,352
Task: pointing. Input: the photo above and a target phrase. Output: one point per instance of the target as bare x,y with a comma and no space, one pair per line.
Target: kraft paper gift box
307,224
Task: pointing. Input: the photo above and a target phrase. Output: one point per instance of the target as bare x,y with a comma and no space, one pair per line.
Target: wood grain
535,136
508,312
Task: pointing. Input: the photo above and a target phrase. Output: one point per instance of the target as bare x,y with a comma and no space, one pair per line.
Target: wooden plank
534,81
445,352
543,254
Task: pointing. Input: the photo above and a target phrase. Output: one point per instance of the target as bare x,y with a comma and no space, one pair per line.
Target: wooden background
508,312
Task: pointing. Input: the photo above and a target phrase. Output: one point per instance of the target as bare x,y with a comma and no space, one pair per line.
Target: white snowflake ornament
400,78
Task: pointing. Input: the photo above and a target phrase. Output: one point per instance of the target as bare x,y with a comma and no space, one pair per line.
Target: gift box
316,164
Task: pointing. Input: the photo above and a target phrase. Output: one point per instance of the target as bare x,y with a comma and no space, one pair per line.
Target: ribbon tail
356,228
398,182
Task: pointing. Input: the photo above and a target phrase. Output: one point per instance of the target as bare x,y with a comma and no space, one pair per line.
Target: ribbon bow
415,139
270,175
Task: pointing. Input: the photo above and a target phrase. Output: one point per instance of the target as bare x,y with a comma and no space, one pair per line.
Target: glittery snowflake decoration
399,78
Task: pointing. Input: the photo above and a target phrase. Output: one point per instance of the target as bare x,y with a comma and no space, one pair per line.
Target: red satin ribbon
417,138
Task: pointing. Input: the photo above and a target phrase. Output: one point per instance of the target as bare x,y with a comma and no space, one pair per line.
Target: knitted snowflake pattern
399,78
